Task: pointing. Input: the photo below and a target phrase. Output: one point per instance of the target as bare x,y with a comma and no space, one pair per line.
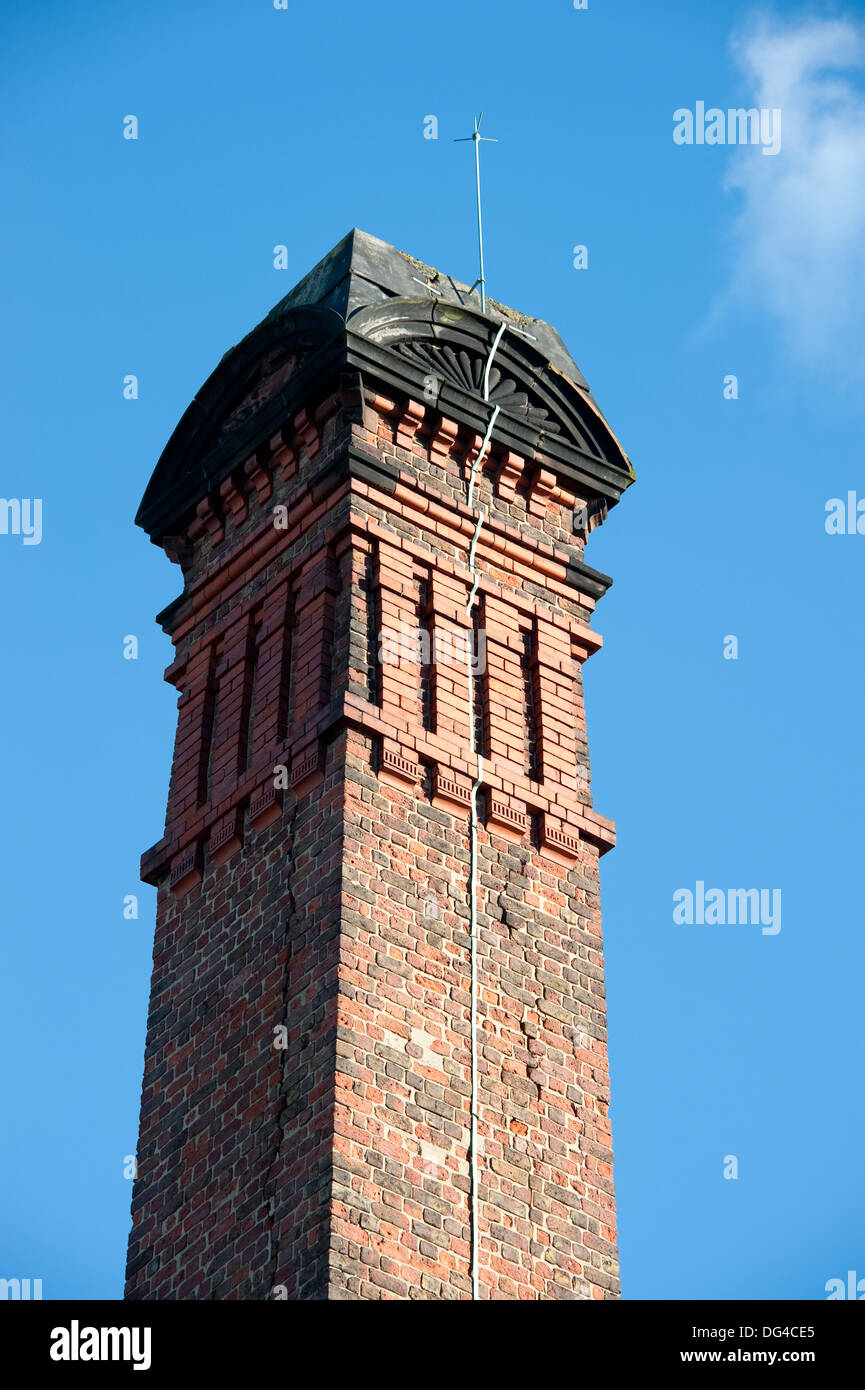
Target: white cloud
800,237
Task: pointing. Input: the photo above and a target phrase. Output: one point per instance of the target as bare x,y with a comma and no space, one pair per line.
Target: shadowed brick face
306,1105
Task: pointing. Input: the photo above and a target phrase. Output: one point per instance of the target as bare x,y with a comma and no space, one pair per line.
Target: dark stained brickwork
306,1100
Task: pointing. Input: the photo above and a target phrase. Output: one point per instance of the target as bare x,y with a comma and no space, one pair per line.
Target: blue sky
261,127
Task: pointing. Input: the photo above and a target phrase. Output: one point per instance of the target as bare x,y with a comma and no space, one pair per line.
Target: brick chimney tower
376,1062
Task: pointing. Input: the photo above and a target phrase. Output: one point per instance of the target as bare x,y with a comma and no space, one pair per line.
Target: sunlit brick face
356,650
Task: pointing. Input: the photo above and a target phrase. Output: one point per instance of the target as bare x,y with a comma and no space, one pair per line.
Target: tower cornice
427,348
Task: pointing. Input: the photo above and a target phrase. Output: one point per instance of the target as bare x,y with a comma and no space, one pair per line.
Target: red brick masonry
313,874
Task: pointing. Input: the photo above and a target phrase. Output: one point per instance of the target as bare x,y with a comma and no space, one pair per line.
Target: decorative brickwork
306,1101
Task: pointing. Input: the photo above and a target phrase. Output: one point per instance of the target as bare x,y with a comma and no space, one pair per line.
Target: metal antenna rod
477,137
